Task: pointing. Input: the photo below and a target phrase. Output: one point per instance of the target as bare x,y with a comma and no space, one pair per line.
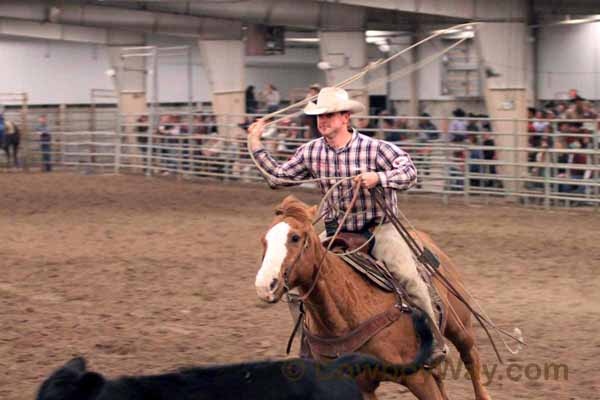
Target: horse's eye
295,238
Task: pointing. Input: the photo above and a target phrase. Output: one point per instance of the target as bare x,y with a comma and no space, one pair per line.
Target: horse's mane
293,208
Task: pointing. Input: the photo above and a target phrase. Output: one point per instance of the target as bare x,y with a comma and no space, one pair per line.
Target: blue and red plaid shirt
318,159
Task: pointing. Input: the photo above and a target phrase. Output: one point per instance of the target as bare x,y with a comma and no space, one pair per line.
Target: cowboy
344,152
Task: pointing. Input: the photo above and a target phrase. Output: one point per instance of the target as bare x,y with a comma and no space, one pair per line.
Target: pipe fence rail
548,169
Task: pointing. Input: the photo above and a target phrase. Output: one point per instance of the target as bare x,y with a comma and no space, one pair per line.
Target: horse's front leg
423,385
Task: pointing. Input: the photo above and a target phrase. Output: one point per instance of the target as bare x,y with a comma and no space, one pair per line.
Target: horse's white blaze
275,254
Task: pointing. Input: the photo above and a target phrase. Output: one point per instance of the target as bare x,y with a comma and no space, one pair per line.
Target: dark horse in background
10,143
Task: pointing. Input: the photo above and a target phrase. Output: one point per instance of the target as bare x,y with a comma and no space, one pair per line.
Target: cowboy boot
439,347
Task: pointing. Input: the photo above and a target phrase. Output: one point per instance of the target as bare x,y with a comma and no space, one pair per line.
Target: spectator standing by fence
272,98
427,129
489,153
458,126
251,103
310,121
45,143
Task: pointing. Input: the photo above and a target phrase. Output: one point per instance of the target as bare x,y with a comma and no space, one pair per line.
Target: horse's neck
334,306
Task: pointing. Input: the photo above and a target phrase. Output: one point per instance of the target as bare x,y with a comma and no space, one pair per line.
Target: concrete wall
569,58
53,72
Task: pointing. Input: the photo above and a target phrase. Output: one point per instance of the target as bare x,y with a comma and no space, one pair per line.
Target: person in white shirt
272,98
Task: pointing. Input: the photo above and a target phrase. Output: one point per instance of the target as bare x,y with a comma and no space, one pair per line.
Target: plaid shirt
362,154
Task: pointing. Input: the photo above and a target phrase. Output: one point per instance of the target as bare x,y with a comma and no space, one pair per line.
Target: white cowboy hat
333,99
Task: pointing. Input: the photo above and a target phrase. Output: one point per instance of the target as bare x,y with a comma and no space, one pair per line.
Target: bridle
289,270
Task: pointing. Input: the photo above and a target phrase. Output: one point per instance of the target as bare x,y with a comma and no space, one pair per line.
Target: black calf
267,380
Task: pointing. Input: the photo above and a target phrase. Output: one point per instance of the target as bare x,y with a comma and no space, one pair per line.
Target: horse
11,142
340,300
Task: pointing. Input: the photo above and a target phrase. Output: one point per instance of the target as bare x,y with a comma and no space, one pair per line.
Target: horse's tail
358,364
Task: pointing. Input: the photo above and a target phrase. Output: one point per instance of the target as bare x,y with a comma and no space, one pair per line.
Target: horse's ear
289,199
280,209
312,211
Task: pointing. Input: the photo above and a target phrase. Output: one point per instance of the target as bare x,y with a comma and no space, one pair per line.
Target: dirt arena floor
147,275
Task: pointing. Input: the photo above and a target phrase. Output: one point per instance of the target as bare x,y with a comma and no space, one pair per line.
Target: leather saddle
348,241
361,261
376,271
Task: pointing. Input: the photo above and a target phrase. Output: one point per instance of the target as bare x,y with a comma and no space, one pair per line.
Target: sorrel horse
341,300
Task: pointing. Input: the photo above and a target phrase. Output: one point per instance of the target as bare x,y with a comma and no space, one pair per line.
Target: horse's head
288,250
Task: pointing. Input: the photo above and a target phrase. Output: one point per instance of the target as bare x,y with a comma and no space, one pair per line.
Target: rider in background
342,151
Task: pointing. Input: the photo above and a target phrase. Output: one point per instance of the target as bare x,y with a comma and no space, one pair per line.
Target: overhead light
384,48
576,21
461,35
324,65
570,21
376,40
303,40
446,31
380,33
110,72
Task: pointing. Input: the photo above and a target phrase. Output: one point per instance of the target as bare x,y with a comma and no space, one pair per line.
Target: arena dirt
147,275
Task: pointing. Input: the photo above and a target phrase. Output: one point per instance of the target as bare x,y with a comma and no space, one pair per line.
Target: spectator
402,125
458,126
289,137
561,158
472,126
251,103
387,124
294,136
272,98
489,154
310,121
530,116
366,126
579,173
474,154
164,132
212,149
539,126
576,111
427,129
45,143
282,133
